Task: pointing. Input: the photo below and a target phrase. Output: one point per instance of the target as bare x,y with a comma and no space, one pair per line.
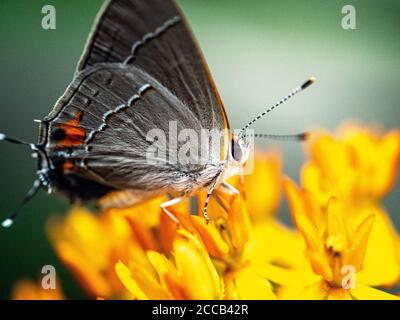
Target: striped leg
209,193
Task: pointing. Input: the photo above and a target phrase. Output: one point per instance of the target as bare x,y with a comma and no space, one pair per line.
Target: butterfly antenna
3,137
287,137
304,86
37,185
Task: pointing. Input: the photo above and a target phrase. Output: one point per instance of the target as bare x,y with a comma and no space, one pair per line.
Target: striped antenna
305,85
3,137
286,137
37,185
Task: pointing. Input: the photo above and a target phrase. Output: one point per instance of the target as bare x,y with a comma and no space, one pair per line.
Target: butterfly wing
153,35
141,70
100,130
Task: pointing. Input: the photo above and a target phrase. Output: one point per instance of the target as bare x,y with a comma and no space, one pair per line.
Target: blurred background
257,50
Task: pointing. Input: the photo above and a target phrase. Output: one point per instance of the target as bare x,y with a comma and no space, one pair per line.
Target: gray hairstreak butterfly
141,71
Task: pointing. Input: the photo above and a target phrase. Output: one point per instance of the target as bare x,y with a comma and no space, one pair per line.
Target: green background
258,50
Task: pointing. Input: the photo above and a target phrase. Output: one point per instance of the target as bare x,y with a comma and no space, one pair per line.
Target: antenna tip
7,223
308,83
2,136
305,136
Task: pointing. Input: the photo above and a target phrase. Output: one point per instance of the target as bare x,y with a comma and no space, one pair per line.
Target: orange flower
359,164
190,274
262,191
91,245
239,257
336,248
245,252
29,290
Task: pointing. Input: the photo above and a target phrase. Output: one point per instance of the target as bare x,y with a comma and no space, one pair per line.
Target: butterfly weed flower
336,246
79,241
358,162
89,245
188,274
359,165
261,193
228,241
95,248
263,202
141,253
26,289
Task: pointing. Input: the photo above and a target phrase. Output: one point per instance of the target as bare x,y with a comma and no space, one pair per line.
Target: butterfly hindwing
99,131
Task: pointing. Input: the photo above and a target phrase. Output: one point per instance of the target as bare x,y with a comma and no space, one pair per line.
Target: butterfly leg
169,203
209,193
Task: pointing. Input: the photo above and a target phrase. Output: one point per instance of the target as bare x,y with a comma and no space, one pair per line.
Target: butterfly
141,70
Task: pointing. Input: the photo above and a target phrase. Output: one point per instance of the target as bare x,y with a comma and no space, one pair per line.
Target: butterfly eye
237,152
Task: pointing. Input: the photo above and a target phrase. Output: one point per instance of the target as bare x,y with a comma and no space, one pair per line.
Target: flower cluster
343,246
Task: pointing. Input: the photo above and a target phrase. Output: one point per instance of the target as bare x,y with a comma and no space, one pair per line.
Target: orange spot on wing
74,134
68,166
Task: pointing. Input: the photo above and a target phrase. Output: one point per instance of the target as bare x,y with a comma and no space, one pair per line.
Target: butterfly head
238,156
240,149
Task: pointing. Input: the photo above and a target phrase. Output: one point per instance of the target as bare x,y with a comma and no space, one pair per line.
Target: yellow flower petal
140,282
380,266
300,218
196,270
389,150
363,292
238,224
148,211
271,241
87,275
245,284
82,230
263,202
359,243
316,291
288,277
125,276
337,236
144,234
162,266
211,237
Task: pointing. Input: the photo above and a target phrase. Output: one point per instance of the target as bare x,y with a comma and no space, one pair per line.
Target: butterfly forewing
154,35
